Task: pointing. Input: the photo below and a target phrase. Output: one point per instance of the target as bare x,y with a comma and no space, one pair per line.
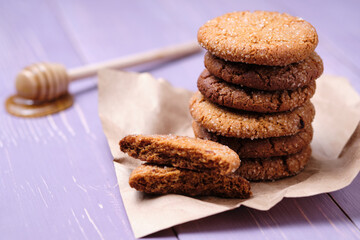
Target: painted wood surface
57,179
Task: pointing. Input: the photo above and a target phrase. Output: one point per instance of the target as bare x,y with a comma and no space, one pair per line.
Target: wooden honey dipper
42,85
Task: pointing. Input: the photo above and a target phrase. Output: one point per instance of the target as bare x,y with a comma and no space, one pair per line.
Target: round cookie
260,37
181,152
262,169
269,78
233,96
158,179
259,148
235,123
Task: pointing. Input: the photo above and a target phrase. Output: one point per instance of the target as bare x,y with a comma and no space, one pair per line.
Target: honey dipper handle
171,52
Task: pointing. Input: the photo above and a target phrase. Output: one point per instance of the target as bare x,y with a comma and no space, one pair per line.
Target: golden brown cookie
269,78
262,147
181,152
260,169
233,96
240,124
260,37
162,180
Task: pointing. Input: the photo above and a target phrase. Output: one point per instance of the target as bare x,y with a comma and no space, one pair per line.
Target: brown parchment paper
132,103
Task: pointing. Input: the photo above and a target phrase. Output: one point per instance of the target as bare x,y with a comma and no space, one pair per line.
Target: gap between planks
175,233
343,211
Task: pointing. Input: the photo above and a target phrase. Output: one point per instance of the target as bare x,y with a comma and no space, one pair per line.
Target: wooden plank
306,218
348,199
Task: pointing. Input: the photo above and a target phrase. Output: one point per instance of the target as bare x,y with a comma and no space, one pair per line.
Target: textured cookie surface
235,123
233,96
162,180
260,169
260,37
181,152
259,148
268,78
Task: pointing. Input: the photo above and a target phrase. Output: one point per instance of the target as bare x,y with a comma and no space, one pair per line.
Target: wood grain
305,218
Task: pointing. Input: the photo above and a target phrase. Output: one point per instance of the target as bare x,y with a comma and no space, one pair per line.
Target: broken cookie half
183,165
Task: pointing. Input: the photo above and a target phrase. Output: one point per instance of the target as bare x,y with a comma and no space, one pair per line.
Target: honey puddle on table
27,108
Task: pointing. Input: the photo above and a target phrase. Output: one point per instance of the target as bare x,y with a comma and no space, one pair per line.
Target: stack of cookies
254,95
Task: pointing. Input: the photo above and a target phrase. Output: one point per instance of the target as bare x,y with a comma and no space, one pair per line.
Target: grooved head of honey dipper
42,82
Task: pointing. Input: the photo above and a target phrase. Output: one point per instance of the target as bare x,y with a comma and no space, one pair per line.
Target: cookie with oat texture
260,37
240,124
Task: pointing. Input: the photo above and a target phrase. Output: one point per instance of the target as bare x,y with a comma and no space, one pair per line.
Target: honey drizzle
28,108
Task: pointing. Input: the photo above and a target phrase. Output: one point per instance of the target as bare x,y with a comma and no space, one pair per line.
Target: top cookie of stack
260,37
260,75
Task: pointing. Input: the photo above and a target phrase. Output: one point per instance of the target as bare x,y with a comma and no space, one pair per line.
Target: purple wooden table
57,179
